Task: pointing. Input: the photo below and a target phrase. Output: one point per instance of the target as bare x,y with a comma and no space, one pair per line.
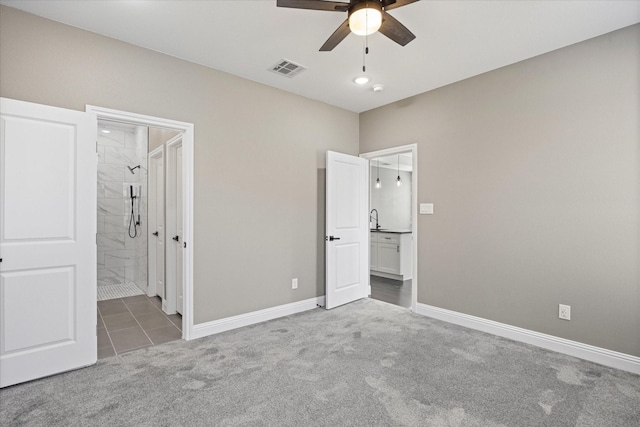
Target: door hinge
184,245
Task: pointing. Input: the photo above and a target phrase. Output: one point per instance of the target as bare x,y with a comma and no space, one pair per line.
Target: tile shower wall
121,259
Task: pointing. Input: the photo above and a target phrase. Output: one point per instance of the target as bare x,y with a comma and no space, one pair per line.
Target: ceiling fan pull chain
364,61
366,36
366,42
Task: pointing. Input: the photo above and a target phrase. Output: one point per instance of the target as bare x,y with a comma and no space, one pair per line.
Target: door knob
155,233
177,238
331,238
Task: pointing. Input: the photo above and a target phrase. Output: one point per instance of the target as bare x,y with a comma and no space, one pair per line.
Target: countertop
384,230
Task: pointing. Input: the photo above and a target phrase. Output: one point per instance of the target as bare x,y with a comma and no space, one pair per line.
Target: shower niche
122,209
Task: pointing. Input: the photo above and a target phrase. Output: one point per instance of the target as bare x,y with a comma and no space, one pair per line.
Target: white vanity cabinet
390,255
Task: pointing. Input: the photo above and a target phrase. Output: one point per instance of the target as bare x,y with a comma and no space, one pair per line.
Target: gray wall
534,172
259,153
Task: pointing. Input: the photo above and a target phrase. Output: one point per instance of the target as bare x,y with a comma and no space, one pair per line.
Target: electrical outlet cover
564,312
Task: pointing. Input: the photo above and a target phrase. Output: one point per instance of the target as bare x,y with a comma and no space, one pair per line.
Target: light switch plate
426,208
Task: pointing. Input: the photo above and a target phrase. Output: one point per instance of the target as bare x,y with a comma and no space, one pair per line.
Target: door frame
413,149
187,130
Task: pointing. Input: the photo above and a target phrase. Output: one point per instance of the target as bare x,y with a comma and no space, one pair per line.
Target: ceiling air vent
287,68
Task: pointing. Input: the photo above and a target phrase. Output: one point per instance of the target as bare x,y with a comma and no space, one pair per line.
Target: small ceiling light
378,88
105,131
399,180
365,18
362,80
378,183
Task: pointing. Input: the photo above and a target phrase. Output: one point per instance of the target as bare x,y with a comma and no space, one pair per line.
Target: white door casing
347,229
156,234
413,149
373,256
48,212
188,142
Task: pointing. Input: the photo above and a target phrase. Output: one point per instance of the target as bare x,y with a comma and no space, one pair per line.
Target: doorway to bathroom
144,230
393,228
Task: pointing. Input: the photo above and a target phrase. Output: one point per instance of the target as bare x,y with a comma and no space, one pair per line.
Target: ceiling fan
364,17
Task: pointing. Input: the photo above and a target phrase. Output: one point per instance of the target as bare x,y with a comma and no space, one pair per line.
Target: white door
47,239
179,243
156,223
174,227
347,229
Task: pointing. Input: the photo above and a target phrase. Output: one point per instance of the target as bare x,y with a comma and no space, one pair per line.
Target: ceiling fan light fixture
365,18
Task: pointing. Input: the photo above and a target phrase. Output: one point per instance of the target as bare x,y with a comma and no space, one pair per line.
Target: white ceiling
403,161
454,39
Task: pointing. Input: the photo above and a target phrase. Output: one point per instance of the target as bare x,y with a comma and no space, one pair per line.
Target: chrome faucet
371,217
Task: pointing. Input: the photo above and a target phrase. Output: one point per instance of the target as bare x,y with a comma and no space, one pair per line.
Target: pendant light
399,180
378,183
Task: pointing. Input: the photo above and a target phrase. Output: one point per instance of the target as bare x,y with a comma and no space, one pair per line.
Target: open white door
47,240
156,223
179,227
347,228
174,228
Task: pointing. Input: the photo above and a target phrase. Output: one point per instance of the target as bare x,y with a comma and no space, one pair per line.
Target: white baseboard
216,326
588,352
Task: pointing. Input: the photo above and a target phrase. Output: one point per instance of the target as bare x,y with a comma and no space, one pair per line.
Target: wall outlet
294,283
564,311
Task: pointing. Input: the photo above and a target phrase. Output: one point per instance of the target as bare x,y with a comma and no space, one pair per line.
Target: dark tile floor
392,291
130,323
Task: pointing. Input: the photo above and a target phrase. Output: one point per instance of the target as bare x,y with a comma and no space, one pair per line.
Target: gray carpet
365,364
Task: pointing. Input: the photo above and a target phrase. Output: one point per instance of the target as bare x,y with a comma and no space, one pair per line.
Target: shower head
131,169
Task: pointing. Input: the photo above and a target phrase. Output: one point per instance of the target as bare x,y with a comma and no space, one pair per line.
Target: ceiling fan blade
393,4
331,6
397,32
338,35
